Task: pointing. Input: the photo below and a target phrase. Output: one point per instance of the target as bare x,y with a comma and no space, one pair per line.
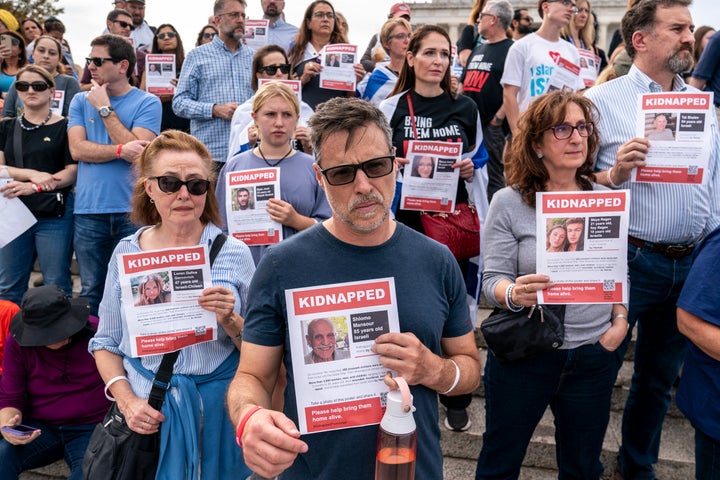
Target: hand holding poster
338,73
248,192
160,291
678,126
430,182
338,379
582,245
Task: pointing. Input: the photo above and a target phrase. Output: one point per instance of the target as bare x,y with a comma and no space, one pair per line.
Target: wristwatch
105,111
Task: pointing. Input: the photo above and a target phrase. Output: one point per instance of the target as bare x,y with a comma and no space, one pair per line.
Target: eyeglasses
400,36
21,86
563,132
566,3
98,61
125,24
163,36
233,15
321,15
170,184
373,168
209,35
480,17
272,69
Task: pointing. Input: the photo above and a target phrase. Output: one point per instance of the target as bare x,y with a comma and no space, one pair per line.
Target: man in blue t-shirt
435,351
108,128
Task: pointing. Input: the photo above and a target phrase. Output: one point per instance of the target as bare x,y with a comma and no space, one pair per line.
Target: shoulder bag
520,335
117,453
41,204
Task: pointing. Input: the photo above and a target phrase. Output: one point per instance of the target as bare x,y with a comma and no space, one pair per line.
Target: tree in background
37,9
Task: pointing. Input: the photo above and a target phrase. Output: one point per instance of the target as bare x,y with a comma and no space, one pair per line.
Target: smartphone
6,40
19,429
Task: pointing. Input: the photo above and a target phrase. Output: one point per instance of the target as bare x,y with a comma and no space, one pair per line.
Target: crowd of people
110,168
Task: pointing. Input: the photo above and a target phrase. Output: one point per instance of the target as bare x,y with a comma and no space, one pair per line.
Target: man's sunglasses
170,184
373,168
272,69
163,36
98,61
25,86
125,24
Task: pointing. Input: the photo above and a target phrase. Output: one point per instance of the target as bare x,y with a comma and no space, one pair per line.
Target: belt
670,251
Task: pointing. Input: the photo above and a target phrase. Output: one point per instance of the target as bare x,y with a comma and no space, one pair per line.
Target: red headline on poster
569,66
253,176
155,344
159,58
186,257
343,415
585,203
437,148
342,297
684,101
583,293
340,48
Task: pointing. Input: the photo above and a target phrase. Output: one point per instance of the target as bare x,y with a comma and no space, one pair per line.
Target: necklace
30,129
276,163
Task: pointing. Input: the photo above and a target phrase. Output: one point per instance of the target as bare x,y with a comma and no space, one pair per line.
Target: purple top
59,387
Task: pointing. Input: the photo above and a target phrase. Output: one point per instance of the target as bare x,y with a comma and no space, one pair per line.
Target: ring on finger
525,289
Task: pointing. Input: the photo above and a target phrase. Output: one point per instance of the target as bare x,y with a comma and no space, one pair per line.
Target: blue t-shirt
107,187
431,304
699,390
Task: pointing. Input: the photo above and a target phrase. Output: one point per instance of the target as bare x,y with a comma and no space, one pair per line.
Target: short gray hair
502,10
343,114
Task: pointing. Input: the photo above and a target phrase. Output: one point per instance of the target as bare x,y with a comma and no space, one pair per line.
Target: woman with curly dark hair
552,152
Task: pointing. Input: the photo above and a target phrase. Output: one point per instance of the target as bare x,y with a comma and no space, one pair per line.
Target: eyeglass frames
21,86
98,61
564,131
170,184
373,168
163,36
272,69
125,24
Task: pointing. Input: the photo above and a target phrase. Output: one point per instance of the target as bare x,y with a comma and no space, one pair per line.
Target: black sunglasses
25,86
373,168
272,69
209,35
170,184
125,24
163,36
98,61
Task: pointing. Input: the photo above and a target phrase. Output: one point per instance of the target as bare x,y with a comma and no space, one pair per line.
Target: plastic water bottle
397,437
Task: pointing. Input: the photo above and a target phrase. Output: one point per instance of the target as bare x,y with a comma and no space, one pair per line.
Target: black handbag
41,204
117,453
519,335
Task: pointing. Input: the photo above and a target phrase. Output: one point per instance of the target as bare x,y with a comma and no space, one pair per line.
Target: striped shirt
659,212
233,268
212,75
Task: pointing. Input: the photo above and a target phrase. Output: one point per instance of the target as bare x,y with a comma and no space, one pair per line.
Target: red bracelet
241,427
119,150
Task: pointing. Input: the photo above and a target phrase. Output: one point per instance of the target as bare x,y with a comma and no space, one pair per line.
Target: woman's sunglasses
163,36
170,184
207,35
272,69
25,86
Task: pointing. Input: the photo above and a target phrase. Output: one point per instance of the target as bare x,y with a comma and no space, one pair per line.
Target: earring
152,201
539,155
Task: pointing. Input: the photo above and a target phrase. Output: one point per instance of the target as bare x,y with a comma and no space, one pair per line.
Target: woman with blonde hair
581,33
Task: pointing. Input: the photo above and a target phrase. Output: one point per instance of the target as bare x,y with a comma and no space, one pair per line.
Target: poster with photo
338,379
245,202
256,33
429,181
679,128
338,73
160,291
582,245
295,85
160,73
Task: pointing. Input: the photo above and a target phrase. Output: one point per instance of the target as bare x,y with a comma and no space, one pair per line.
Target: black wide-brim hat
47,316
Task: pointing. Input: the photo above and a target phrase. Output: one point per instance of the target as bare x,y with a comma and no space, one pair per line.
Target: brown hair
524,171
179,49
699,34
59,68
257,63
406,80
198,42
47,76
304,34
641,17
143,211
22,55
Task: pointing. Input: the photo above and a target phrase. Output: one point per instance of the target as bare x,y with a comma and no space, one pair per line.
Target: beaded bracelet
508,299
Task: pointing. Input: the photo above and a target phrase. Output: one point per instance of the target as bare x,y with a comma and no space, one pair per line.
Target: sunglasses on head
25,86
98,61
170,184
125,24
272,69
163,36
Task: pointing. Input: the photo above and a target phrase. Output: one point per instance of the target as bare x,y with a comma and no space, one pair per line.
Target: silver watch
105,111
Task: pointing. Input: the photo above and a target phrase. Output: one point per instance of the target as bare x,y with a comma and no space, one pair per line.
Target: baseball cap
400,9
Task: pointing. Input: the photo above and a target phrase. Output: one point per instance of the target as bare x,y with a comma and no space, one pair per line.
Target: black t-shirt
481,79
45,149
469,38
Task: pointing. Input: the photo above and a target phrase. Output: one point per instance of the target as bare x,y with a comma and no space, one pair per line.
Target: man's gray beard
679,64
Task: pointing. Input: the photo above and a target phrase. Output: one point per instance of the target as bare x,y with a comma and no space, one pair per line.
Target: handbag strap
161,382
412,114
17,143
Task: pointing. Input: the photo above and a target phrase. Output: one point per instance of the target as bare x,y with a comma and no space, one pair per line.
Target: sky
86,19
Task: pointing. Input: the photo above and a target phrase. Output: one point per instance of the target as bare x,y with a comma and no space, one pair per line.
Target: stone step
676,447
